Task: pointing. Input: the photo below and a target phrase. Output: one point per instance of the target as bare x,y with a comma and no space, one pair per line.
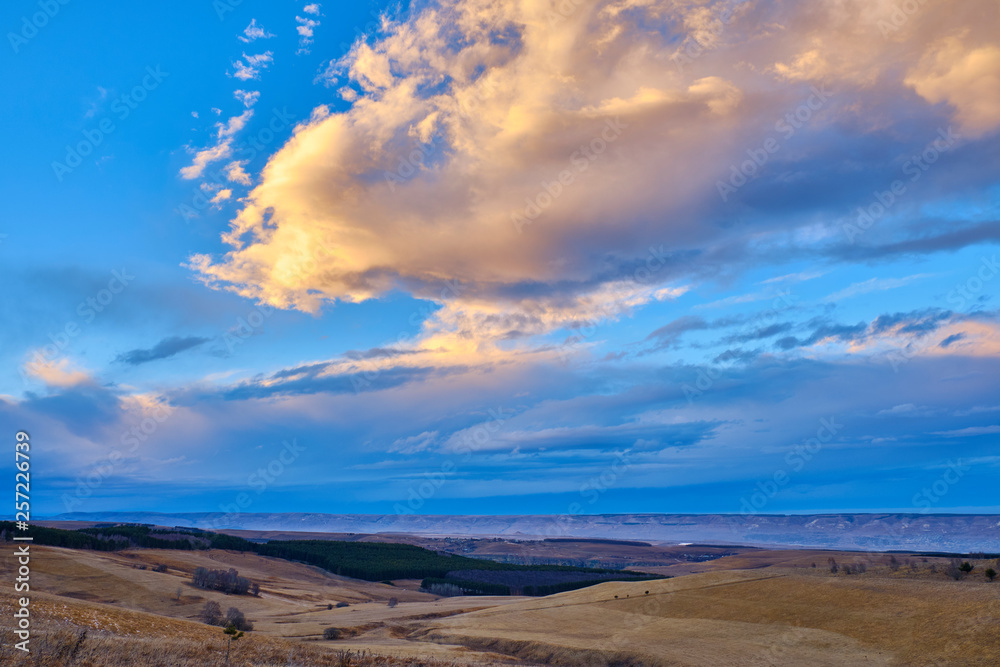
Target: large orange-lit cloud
511,159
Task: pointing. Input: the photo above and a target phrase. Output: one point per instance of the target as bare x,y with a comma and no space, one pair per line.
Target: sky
471,257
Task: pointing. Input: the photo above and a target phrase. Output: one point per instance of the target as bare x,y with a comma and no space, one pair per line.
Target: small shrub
331,633
990,573
393,602
160,567
341,605
234,633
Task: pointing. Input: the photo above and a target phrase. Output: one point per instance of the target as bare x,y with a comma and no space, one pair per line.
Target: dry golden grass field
759,608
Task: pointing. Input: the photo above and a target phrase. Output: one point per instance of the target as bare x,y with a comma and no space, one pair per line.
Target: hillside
882,532
781,612
771,617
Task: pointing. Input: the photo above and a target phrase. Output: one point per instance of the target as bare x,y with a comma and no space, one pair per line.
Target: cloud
236,174
954,338
252,67
901,409
514,170
825,332
670,293
970,431
966,235
253,32
872,285
414,444
919,322
669,334
306,26
759,334
737,299
490,141
166,348
223,147
963,76
248,98
794,277
222,195
57,373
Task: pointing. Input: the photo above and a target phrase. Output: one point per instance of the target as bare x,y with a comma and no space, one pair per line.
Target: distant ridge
875,532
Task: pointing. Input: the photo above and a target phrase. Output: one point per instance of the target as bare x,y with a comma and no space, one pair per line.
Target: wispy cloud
254,32
799,277
415,443
223,147
236,173
306,26
249,67
873,285
247,97
970,431
166,348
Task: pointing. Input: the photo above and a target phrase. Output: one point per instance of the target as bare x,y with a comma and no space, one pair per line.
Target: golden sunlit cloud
967,78
508,166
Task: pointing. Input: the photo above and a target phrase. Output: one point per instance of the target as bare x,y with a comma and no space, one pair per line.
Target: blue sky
463,258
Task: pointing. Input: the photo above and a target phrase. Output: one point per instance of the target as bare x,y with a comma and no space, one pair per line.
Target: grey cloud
167,347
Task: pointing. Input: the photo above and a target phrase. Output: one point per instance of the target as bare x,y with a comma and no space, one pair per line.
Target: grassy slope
762,616
72,589
773,616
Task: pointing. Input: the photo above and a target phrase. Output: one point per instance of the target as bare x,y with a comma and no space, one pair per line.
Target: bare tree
235,618
211,613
